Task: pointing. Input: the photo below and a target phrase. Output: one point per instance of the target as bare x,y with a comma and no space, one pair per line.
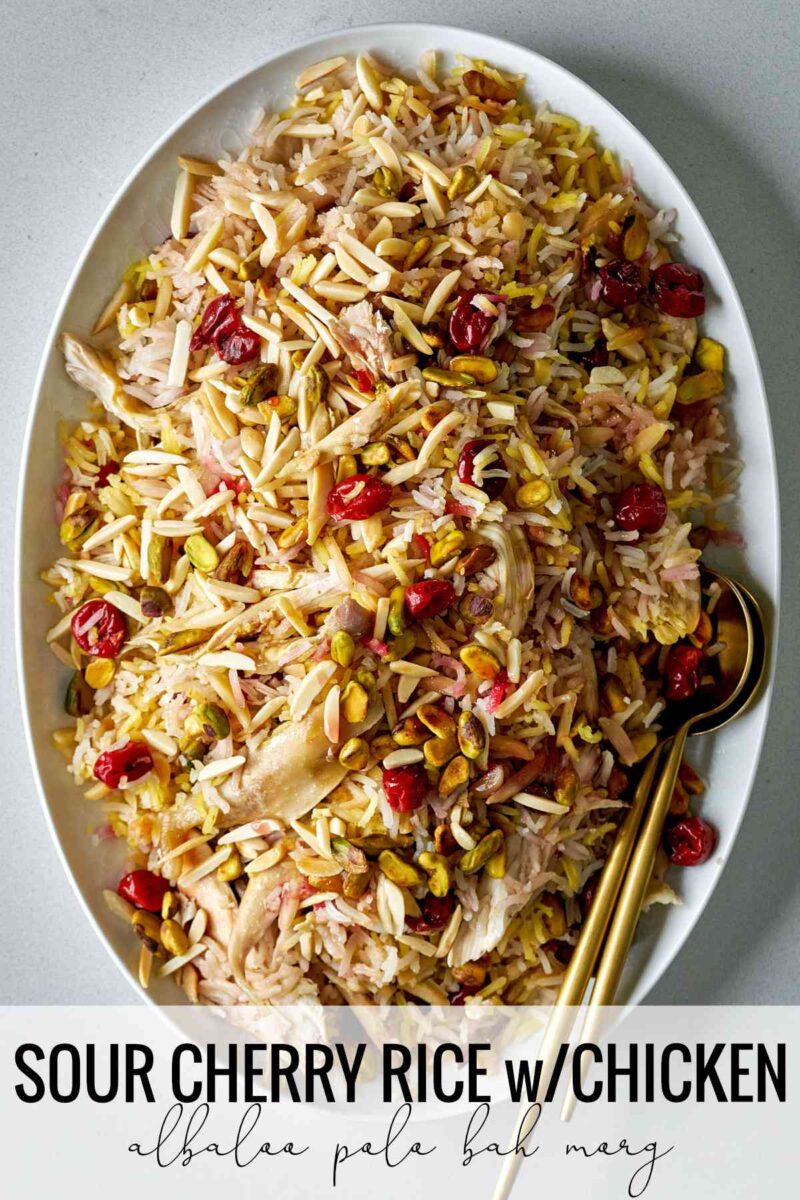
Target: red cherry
455,508
621,283
405,788
358,497
364,381
466,989
501,686
690,841
596,357
561,951
469,326
684,671
436,911
99,629
641,507
221,326
129,762
228,483
678,290
109,468
421,546
143,889
238,347
465,468
588,894
218,319
429,597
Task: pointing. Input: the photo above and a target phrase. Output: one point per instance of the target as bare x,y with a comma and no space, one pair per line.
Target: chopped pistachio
354,754
155,602
213,720
396,621
440,873
78,696
471,735
401,872
487,847
386,183
173,938
159,558
465,178
355,701
201,554
343,648
100,672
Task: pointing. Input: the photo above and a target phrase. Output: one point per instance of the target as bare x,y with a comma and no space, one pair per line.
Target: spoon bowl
733,674
733,625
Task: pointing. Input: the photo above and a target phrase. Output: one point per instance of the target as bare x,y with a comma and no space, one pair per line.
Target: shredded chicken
255,617
290,772
212,895
498,901
351,435
351,617
258,910
94,371
364,334
514,571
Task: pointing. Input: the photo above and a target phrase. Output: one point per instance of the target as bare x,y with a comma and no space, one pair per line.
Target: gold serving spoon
738,670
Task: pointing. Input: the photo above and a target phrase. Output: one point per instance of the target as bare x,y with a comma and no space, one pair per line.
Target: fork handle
629,905
579,970
626,915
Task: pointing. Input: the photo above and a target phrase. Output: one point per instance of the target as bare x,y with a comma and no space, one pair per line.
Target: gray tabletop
89,86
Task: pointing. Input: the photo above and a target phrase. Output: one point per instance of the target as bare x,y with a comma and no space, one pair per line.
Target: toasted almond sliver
107,533
206,867
403,667
162,742
428,168
91,566
350,265
397,210
227,658
387,154
118,906
180,960
182,206
407,328
176,528
269,858
197,839
153,456
344,293
440,295
203,247
307,301
261,326
363,253
179,362
318,71
221,766
369,83
124,293
127,604
198,166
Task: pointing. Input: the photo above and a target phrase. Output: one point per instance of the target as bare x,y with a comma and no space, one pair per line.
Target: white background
88,85
732,1150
